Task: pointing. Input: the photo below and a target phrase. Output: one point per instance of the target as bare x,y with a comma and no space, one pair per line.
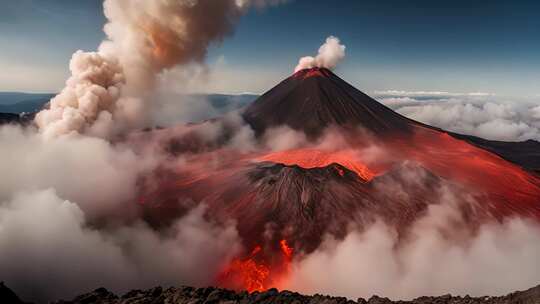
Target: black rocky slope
9,118
210,295
313,99
21,119
7,296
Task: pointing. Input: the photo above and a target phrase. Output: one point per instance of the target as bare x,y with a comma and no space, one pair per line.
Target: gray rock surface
210,295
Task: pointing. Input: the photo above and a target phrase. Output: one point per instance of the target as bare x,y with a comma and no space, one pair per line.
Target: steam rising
49,252
108,90
479,114
498,259
330,54
88,101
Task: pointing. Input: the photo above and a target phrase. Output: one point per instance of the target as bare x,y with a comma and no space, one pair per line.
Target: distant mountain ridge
17,102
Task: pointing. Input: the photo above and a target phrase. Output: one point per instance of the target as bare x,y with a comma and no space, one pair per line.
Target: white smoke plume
99,176
437,259
330,54
88,101
108,90
50,252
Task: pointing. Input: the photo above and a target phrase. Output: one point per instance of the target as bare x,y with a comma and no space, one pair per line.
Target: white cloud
50,252
428,93
479,114
497,259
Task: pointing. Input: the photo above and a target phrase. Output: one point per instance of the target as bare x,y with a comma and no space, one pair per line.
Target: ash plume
330,55
109,89
91,96
62,256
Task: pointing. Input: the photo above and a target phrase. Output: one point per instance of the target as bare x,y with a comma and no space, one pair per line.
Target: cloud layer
109,90
437,259
50,252
479,114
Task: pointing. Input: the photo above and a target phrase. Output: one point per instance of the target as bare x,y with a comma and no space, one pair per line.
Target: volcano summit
313,99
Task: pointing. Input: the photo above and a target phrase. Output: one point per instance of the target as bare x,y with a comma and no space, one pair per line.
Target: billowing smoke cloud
70,221
50,252
439,257
108,89
479,114
330,54
97,175
88,101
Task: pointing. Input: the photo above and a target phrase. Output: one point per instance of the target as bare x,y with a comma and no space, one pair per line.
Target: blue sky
458,46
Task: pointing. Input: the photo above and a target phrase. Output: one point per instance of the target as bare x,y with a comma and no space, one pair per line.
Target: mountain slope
311,100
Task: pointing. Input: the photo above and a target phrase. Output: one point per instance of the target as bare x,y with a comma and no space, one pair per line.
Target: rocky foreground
210,295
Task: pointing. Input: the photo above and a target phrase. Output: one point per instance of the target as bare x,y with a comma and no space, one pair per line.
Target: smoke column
107,90
330,54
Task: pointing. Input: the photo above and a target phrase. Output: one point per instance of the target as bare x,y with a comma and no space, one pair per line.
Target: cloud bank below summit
479,114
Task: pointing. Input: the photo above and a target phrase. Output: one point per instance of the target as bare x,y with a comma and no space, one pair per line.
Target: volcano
361,162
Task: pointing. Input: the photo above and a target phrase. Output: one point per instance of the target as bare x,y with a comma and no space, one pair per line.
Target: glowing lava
259,271
287,251
313,72
314,158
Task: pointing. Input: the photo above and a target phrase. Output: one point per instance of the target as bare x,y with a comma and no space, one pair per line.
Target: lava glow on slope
313,72
273,196
314,158
510,189
258,271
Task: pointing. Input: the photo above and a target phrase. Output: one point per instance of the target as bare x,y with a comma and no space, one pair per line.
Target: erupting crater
315,158
313,72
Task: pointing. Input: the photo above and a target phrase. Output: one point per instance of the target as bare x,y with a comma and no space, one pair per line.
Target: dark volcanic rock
21,119
8,118
210,295
7,296
313,99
